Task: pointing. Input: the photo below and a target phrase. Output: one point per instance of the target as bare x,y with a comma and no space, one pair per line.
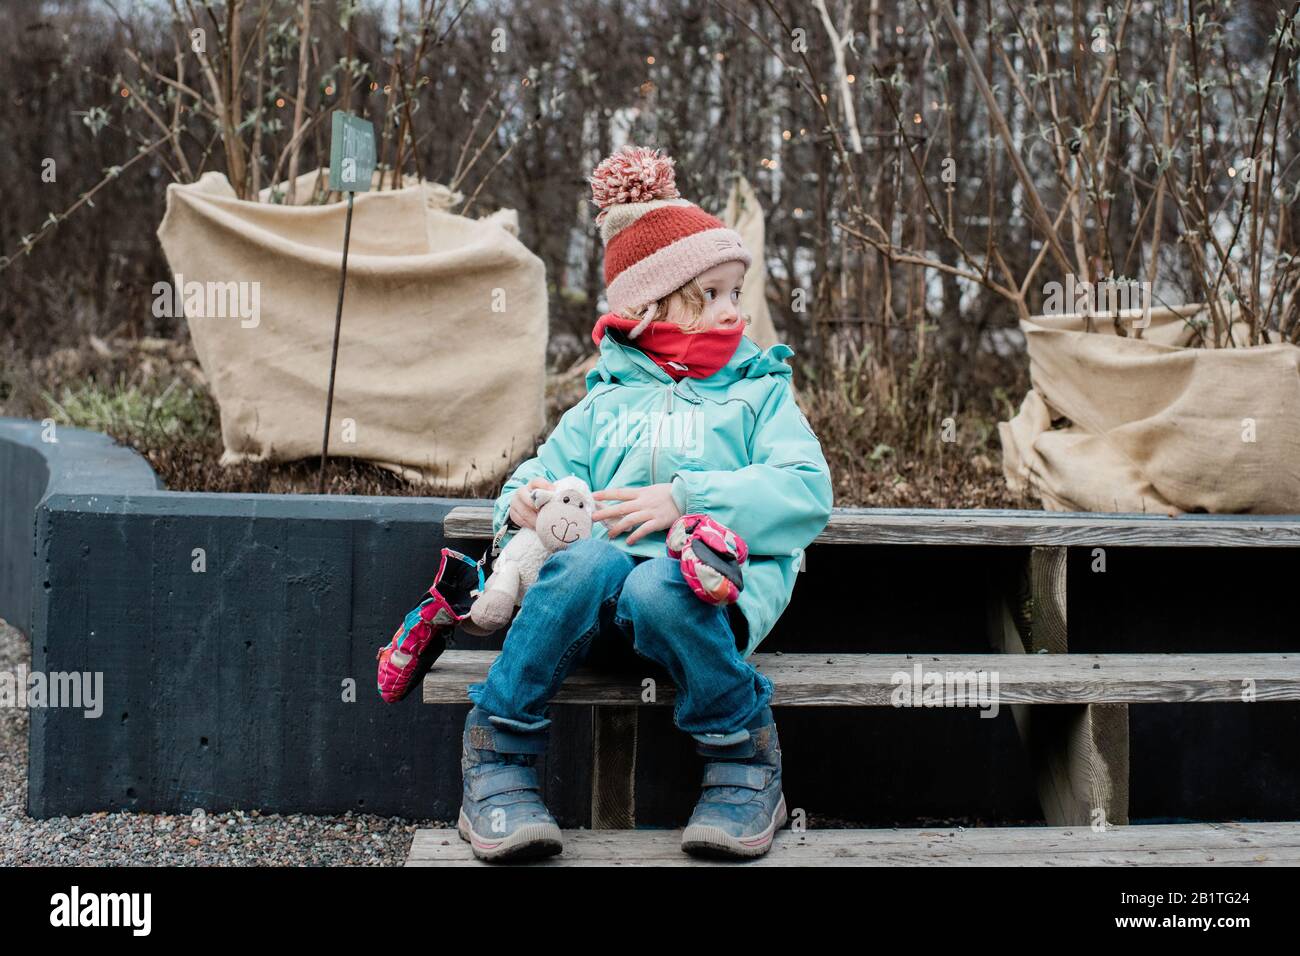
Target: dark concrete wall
24,479
228,687
36,460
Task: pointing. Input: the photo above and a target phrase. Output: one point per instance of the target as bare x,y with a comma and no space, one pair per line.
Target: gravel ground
235,838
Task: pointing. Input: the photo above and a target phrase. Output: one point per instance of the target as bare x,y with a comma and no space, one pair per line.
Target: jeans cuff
520,725
739,744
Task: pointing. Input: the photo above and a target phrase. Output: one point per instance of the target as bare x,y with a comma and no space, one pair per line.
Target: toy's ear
542,496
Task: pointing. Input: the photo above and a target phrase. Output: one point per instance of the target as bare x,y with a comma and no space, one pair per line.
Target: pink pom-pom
633,174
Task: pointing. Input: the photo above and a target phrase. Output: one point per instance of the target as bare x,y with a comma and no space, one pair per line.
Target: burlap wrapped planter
1152,425
442,354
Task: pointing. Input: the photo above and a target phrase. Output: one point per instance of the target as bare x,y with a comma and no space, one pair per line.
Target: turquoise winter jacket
734,445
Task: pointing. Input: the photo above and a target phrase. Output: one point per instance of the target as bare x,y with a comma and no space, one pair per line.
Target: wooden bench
870,680
1071,711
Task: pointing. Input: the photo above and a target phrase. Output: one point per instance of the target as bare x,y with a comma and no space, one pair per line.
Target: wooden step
1006,528
1189,844
869,680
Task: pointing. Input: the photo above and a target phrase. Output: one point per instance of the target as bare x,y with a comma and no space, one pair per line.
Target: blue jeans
593,602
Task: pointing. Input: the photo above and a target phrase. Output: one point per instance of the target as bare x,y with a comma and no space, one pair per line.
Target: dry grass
899,438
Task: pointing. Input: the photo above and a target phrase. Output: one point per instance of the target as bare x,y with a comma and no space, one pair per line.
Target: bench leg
1079,753
613,768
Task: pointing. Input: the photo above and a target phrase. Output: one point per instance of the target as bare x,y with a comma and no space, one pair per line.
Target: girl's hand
652,508
521,505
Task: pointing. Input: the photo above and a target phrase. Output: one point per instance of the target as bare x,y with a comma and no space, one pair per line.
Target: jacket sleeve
566,452
779,502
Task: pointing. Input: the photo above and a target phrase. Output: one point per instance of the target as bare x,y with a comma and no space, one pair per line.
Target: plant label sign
352,153
352,164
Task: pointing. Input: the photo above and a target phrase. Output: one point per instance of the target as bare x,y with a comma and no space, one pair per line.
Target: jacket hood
620,361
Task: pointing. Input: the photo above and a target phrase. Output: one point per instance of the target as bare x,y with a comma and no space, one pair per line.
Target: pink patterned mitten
711,555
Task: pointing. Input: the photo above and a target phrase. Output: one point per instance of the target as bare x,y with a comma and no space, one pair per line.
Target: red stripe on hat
656,229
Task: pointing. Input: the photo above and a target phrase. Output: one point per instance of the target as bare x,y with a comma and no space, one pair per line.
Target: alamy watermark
932,688
75,908
76,689
682,431
209,300
1121,298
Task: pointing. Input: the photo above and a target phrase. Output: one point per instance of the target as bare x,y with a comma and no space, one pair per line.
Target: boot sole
532,841
711,841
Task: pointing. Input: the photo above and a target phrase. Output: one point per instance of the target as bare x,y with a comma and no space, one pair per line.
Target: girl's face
721,286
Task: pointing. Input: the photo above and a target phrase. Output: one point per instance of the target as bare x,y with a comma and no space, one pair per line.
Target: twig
54,221
838,42
300,106
1000,122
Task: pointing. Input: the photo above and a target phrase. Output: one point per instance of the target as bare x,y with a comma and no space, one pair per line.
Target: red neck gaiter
680,354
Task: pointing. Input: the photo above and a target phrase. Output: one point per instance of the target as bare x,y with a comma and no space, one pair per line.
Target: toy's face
564,518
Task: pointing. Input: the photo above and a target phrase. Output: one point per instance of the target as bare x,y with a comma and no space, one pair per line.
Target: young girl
682,414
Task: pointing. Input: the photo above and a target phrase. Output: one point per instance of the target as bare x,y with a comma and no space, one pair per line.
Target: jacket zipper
654,441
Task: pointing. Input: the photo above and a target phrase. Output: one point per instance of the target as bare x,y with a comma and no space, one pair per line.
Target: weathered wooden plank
1078,753
1196,844
1047,627
1056,747
613,768
897,526
968,680
1109,739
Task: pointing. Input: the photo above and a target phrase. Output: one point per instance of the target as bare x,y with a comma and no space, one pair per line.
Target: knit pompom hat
655,241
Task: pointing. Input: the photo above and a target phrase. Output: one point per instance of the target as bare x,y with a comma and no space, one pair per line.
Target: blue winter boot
742,805
502,815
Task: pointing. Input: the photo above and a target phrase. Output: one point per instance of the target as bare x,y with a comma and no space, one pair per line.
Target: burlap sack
441,361
1152,425
745,215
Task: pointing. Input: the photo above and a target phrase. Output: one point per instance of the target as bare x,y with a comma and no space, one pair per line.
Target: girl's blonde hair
688,301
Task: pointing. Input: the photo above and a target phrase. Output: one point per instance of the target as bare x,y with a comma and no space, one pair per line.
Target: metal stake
334,353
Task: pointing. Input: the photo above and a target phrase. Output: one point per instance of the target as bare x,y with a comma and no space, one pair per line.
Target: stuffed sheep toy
564,516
